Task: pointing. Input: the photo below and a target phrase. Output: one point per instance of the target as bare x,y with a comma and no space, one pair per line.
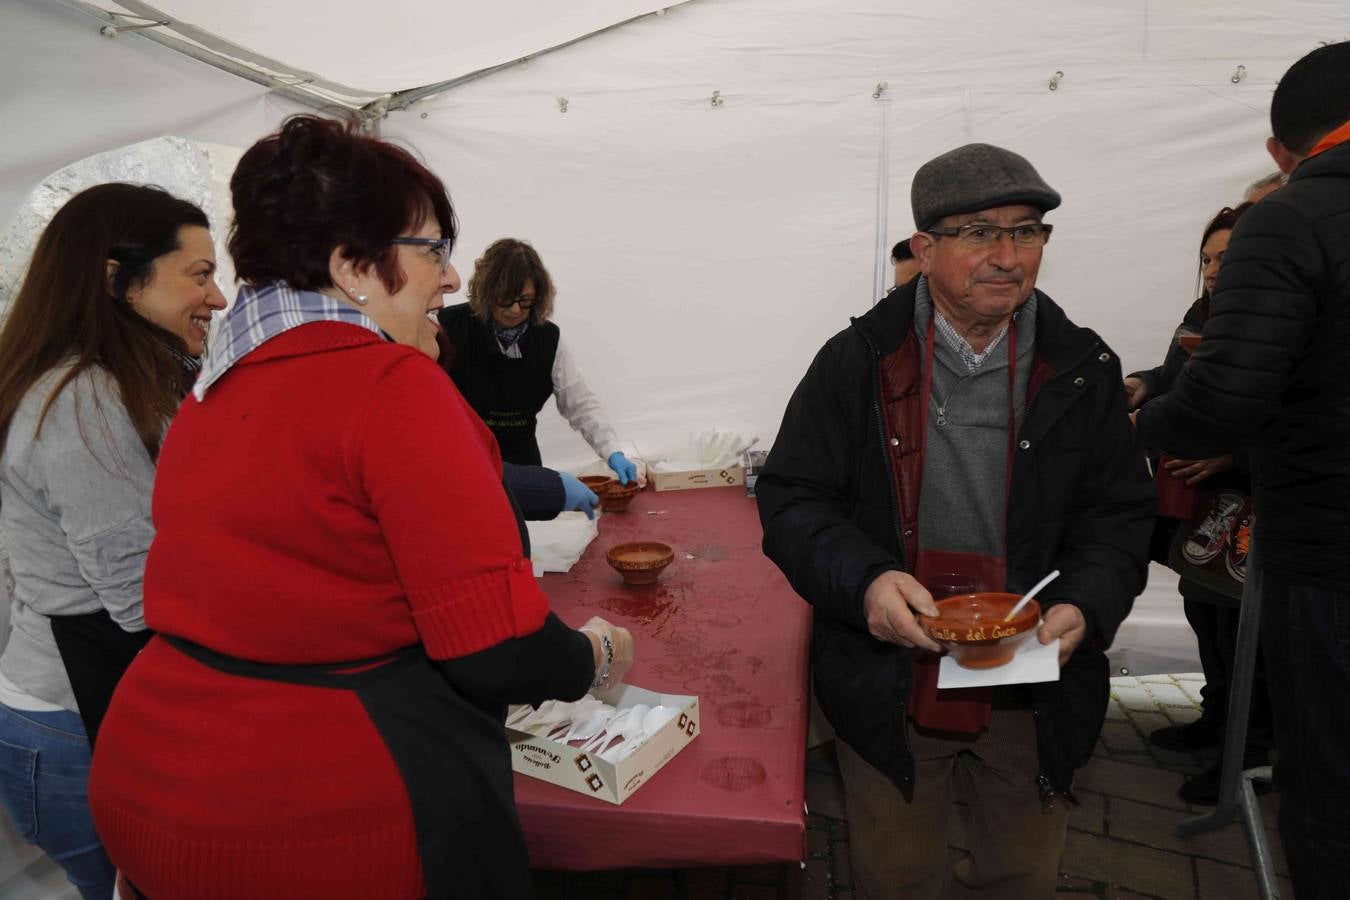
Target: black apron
95,652
506,393
451,753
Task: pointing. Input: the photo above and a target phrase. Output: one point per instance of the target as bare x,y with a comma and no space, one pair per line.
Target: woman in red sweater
341,591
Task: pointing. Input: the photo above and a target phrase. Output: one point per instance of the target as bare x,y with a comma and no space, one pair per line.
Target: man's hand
1136,392
1064,621
1197,470
886,605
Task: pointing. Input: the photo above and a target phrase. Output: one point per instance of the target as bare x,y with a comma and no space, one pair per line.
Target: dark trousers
1306,633
1214,619
898,847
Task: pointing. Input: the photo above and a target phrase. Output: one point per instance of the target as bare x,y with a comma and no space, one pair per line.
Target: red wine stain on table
743,714
733,773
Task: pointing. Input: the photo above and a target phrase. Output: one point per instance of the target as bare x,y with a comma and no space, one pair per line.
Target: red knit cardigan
333,498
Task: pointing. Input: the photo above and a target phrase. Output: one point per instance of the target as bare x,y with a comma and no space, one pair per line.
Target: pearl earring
361,299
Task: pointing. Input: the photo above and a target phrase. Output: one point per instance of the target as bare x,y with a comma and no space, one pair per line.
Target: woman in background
507,358
1212,615
340,592
97,352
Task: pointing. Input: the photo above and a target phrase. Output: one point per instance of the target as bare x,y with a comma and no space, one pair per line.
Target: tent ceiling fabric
394,45
703,251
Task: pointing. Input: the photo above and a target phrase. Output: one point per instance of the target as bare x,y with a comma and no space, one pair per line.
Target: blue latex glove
577,496
626,471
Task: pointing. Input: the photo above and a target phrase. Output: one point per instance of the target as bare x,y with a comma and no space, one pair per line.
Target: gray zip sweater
75,514
963,499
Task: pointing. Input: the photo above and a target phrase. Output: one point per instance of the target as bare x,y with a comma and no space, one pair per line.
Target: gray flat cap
975,177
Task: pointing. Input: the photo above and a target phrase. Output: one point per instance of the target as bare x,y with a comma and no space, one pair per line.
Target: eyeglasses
441,245
978,234
526,303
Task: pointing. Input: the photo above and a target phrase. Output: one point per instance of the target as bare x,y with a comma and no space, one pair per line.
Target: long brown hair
68,308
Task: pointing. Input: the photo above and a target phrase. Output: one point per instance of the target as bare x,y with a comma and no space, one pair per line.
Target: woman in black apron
343,601
508,359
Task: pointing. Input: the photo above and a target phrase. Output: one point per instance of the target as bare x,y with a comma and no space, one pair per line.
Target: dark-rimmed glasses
526,303
980,234
442,246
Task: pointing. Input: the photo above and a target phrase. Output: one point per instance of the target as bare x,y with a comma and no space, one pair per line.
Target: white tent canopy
705,244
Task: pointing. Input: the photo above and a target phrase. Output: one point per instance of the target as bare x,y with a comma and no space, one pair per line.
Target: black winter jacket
1159,379
1081,501
1271,371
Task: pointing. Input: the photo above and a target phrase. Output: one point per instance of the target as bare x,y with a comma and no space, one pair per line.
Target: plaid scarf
508,338
260,314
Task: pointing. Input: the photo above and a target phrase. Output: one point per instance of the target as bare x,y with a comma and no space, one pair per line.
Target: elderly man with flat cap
963,434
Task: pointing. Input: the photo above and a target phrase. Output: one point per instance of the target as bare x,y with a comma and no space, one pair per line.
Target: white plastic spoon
653,722
571,713
590,727
522,712
550,713
622,726
580,711
625,734
603,734
1029,594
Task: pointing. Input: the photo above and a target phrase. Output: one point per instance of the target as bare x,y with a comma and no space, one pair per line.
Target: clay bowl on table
972,630
640,562
617,496
600,484
1189,342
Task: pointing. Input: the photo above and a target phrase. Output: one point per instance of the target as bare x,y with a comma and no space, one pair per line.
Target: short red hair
317,184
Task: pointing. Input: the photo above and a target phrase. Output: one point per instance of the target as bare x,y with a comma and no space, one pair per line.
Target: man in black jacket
965,426
1270,372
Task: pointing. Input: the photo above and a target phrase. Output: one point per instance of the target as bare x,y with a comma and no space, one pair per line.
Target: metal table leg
1232,778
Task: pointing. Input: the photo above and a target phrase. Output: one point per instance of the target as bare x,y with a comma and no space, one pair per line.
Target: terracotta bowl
640,562
618,496
1189,342
972,629
598,483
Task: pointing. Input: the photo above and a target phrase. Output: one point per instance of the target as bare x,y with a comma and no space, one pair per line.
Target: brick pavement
1122,840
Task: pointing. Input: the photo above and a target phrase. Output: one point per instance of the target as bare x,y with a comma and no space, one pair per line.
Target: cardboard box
586,773
697,478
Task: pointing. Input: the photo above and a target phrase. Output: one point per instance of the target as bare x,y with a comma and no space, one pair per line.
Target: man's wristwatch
602,670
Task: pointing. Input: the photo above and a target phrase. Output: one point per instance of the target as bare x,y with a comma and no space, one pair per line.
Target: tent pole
304,88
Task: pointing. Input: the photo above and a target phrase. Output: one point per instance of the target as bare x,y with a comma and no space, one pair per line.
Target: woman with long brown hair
96,353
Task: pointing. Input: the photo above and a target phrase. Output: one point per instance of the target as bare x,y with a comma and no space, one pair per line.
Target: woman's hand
622,467
620,640
1136,392
1197,470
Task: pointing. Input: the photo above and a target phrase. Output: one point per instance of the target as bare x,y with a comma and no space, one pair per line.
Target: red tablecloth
722,623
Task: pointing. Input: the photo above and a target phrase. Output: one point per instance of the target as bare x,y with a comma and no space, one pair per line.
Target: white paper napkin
1032,662
556,545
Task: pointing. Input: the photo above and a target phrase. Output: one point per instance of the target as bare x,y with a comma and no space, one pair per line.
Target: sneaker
1198,735
1209,540
1236,559
1203,789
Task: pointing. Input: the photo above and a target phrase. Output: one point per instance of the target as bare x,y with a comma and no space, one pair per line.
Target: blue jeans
44,780
1305,631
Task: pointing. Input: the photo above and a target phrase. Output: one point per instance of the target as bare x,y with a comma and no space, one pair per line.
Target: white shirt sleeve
579,406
